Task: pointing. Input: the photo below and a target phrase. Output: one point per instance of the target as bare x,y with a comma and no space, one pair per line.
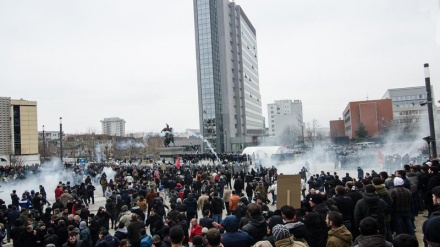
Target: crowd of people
12,172
230,204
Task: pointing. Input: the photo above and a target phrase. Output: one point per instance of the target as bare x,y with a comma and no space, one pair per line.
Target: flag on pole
380,158
178,163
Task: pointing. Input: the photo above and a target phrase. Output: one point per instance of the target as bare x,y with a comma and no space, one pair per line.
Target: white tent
264,151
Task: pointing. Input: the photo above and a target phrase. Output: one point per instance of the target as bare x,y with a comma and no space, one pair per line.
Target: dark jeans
190,215
228,212
402,223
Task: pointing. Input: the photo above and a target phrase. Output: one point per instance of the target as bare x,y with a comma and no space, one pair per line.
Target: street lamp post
430,111
44,145
61,139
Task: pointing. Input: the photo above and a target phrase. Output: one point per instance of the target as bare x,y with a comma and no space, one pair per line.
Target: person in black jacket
62,233
103,218
51,237
184,225
191,207
94,228
206,221
345,206
257,225
107,240
315,222
154,221
217,207
16,232
28,237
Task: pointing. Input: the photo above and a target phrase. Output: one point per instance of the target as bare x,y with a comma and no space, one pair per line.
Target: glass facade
209,77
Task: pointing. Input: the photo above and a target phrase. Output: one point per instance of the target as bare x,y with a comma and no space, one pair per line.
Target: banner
178,163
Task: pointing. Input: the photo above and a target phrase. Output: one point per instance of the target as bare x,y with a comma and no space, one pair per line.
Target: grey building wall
229,102
406,104
5,126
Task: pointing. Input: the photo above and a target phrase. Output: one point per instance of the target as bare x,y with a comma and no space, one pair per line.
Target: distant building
285,116
113,126
49,135
230,109
373,114
337,129
407,110
18,132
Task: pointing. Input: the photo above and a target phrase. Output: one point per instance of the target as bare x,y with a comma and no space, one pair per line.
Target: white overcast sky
86,60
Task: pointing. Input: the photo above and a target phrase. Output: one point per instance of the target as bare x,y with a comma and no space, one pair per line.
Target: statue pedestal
169,153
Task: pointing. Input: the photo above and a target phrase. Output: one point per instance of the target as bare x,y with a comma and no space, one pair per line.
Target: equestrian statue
169,137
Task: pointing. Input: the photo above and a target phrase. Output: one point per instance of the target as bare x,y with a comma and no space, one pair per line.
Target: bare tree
18,160
311,131
290,136
153,145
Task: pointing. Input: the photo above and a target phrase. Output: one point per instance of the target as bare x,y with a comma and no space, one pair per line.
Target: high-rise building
230,111
113,126
285,115
18,131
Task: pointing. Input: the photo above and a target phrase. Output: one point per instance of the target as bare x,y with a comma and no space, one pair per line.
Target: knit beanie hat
280,232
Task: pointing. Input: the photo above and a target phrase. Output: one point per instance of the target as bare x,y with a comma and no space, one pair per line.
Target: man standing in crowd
401,207
338,235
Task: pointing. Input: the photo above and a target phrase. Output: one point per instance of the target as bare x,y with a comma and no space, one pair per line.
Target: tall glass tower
230,110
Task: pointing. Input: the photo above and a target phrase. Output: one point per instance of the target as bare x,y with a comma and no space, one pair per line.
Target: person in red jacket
196,229
58,192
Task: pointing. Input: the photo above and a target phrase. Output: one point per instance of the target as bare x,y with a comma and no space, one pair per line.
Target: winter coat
108,241
238,238
65,197
339,237
362,208
86,237
233,202
316,226
191,204
256,227
125,217
289,242
133,234
146,241
371,241
298,230
121,233
51,239
79,243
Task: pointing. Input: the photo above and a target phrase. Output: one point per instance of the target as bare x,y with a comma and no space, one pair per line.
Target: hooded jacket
256,227
316,226
362,206
339,237
232,237
289,242
121,233
125,217
190,204
371,241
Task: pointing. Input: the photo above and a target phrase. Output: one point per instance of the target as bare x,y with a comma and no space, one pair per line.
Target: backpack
376,213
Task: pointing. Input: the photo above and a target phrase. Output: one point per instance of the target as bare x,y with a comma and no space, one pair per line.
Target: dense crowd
230,205
12,172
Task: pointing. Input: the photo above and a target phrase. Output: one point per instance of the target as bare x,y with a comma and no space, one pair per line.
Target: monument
168,153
